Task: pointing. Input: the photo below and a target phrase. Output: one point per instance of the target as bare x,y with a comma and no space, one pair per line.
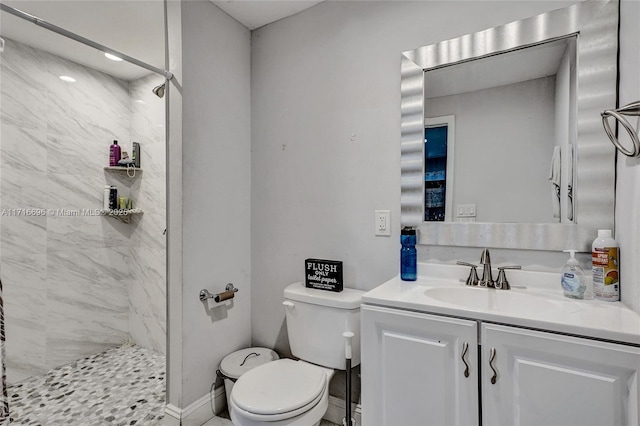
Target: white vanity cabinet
418,369
550,379
413,367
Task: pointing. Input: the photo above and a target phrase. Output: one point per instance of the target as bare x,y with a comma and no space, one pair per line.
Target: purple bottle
114,154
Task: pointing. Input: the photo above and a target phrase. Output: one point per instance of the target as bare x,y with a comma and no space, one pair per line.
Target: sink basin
482,299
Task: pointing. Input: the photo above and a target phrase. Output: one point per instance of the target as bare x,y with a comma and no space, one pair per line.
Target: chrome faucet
487,279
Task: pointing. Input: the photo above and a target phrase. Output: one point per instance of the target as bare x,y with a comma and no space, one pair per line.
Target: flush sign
323,274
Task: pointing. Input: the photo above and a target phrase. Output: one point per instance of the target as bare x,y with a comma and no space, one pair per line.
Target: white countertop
535,301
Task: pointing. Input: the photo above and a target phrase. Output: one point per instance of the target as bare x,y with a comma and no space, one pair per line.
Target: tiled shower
77,283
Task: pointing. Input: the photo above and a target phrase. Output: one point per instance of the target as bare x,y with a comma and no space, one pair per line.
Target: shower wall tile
89,266
69,233
147,322
23,189
23,235
23,87
23,148
150,194
73,192
147,301
89,303
154,158
150,231
148,111
75,155
96,102
25,308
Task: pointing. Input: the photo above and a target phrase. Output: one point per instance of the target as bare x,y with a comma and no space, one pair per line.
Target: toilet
296,393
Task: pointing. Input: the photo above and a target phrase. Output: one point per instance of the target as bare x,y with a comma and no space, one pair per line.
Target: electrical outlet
383,222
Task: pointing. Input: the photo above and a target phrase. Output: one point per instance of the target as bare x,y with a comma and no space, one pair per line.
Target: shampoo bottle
573,278
605,264
114,154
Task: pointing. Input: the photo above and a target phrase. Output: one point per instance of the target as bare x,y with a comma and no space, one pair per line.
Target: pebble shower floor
122,386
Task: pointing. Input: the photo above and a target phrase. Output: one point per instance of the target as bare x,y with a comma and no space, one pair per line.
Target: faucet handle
502,283
473,274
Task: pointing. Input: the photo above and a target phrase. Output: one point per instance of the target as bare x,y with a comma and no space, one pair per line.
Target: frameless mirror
501,143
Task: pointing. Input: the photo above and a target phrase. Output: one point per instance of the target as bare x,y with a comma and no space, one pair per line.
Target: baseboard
336,411
172,415
198,412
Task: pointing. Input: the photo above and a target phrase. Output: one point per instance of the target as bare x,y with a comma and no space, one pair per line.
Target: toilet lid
279,387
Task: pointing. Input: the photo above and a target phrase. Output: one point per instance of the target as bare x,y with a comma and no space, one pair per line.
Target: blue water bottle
408,255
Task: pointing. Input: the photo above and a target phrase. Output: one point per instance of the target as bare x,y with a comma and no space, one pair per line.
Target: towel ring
632,109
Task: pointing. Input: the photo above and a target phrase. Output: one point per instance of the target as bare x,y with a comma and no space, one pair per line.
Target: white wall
213,233
318,78
627,231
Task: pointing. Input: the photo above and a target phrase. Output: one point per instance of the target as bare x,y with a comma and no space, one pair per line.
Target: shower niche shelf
122,168
124,215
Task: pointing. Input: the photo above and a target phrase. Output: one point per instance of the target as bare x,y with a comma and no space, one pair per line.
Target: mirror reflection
508,115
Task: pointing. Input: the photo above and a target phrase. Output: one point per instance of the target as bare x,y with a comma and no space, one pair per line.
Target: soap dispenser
573,277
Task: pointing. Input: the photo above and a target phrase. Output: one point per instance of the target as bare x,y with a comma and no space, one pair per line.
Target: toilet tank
316,320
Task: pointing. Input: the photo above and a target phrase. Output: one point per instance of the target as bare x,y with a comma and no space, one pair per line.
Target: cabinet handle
465,349
492,357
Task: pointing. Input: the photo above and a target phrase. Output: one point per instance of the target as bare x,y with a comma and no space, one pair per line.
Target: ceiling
132,27
257,13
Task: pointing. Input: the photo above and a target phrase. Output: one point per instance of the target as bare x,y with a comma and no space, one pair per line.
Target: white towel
570,184
554,177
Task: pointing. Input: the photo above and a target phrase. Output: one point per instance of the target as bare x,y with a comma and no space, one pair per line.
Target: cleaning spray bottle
605,260
573,278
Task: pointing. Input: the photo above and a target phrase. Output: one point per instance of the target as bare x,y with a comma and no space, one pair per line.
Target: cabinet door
413,369
549,379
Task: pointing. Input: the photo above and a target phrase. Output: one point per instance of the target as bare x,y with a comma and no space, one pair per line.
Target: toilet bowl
283,392
296,393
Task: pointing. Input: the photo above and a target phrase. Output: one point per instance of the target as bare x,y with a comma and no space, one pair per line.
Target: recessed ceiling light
67,79
112,57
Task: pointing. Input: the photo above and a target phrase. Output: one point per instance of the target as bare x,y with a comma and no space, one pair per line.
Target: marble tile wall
147,292
68,275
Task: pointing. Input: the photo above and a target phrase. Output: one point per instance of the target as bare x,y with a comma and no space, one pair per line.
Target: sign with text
323,274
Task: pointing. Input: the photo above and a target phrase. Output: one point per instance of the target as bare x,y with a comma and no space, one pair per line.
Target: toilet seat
279,390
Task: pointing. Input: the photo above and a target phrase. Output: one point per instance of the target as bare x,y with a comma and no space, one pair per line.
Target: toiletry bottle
573,279
408,254
114,154
113,198
106,197
605,261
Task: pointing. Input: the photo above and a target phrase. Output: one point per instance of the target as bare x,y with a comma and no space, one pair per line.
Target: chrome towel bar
632,109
